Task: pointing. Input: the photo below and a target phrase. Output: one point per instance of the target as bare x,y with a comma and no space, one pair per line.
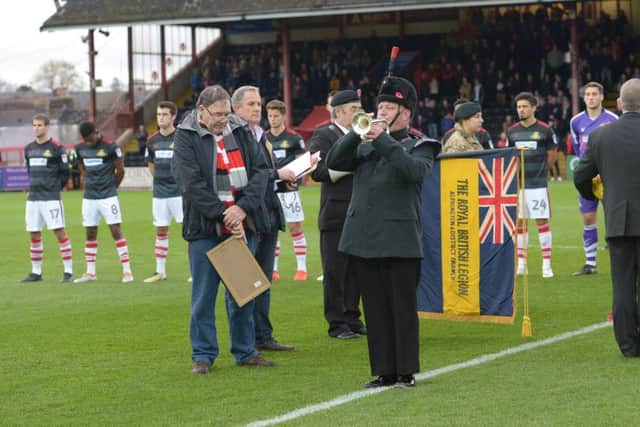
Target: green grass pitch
106,353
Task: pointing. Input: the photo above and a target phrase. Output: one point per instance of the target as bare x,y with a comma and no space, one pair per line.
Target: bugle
362,122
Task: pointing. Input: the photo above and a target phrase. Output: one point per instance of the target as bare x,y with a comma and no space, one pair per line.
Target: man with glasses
222,176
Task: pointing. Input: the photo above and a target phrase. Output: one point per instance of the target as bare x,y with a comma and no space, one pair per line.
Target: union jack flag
498,198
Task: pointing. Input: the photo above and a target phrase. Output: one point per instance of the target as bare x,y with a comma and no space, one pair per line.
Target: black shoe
347,335
586,270
382,381
361,330
406,381
32,277
67,278
274,346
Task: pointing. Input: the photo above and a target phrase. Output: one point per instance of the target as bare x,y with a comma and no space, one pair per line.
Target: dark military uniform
383,235
341,296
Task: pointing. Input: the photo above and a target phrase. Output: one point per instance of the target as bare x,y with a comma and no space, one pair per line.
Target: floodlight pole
574,64
92,77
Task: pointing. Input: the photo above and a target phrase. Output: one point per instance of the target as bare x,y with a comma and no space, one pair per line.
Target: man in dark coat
613,155
341,296
246,102
222,176
382,233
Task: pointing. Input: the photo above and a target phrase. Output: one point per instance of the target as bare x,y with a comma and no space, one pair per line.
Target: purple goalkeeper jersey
582,125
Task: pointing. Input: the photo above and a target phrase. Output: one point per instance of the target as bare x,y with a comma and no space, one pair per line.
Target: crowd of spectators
483,62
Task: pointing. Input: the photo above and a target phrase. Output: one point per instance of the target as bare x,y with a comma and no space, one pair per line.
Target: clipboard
304,164
239,270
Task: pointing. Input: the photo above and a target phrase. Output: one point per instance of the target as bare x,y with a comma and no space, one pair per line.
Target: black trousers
624,253
341,295
265,253
388,287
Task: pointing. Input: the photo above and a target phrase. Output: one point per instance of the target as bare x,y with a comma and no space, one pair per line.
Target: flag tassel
526,320
526,326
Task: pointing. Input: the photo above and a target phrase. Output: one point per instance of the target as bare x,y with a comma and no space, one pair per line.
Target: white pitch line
346,398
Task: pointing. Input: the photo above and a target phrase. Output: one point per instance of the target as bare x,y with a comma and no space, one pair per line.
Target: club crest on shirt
284,144
101,153
47,153
172,146
535,135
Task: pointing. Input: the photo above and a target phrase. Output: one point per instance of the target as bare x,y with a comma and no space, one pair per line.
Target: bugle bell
362,122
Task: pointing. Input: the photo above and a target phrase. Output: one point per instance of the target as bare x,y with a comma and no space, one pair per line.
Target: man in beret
341,296
382,233
468,117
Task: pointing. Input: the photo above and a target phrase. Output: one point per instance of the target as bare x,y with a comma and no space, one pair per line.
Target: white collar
342,128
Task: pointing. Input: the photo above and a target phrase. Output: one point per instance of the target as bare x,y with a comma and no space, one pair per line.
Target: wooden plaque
239,270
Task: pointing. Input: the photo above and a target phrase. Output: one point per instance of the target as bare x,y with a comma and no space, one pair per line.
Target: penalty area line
346,398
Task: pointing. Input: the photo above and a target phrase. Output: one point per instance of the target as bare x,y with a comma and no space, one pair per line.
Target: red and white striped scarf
231,174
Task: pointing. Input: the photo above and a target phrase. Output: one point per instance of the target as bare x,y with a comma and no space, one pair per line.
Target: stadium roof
109,13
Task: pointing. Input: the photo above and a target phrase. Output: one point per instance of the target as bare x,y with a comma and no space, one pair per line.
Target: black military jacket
334,196
384,216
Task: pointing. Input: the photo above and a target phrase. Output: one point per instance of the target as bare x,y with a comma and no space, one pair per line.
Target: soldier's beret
344,97
466,110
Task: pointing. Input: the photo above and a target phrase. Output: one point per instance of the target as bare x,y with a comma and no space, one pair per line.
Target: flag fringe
526,327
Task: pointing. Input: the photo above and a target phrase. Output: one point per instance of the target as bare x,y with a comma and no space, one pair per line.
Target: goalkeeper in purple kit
581,125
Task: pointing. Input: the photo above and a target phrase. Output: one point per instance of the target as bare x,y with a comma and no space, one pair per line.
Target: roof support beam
194,50
163,64
132,93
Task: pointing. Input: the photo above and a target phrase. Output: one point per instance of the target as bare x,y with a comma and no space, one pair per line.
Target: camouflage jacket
459,142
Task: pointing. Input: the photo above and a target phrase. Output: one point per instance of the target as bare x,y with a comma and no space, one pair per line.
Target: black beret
400,91
344,97
86,129
466,110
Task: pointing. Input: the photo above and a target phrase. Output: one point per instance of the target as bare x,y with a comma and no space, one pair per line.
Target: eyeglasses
218,114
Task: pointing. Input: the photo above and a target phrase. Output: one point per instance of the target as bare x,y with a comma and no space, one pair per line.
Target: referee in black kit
382,233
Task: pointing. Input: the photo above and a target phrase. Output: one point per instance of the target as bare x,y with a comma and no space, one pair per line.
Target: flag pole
524,225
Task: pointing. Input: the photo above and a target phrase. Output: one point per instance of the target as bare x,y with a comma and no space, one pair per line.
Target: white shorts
537,204
292,206
40,212
166,208
93,209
